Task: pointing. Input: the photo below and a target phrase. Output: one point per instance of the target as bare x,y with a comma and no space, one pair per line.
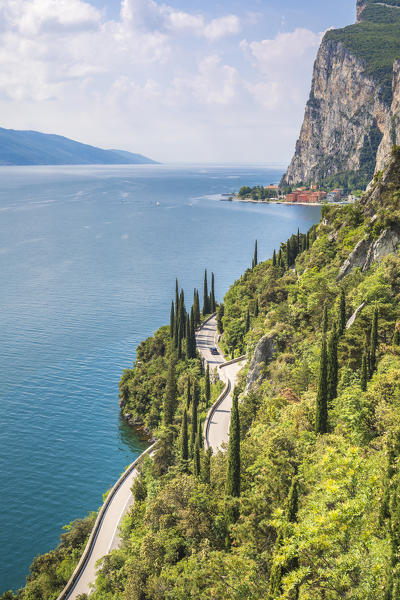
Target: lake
88,260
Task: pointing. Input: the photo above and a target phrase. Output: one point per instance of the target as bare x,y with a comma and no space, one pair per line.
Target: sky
176,80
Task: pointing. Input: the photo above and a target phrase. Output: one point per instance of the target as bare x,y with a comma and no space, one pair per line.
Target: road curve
218,419
105,536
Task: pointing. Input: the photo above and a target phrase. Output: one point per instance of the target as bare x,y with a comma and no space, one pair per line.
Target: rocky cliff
352,118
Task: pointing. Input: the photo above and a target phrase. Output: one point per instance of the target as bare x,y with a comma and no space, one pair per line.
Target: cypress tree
188,341
308,240
374,339
288,255
255,257
280,258
325,320
298,241
206,466
206,308
364,372
179,350
196,308
170,394
333,365
220,316
342,312
207,386
195,405
247,321
321,420
184,449
172,321
176,296
256,309
192,335
212,294
196,458
188,394
274,259
233,473
182,314
200,435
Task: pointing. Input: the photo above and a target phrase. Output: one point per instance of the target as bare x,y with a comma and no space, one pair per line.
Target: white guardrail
96,528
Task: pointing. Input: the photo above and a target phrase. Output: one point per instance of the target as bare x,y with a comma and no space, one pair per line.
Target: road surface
107,538
217,430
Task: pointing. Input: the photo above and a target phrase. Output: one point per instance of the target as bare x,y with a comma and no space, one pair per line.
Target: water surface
88,260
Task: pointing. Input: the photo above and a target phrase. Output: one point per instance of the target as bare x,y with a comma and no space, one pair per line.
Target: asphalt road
108,538
218,428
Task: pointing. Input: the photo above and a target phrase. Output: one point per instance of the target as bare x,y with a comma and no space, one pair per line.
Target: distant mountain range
34,148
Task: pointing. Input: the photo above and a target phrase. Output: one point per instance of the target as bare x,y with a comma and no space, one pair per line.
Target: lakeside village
300,195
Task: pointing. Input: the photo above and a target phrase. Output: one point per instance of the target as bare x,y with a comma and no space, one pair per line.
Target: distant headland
19,148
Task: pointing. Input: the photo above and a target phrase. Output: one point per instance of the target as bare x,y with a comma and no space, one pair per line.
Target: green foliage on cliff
376,40
318,513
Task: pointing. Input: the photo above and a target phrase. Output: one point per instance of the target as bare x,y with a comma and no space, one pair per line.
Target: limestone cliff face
347,122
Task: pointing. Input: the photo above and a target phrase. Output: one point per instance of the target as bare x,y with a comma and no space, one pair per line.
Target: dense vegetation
376,40
257,192
305,503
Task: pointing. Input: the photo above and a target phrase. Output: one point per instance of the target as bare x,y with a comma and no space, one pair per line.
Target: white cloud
155,79
222,27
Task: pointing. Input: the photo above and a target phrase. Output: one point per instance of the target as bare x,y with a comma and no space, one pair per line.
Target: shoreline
251,201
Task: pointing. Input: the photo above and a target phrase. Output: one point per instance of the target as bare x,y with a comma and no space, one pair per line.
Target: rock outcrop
368,251
351,119
263,353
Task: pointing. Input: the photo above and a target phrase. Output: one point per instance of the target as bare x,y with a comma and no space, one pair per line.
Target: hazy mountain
34,148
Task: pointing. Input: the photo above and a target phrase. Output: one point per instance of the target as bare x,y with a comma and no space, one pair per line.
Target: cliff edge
352,118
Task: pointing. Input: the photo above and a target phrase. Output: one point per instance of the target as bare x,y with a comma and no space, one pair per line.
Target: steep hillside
34,148
352,117
317,515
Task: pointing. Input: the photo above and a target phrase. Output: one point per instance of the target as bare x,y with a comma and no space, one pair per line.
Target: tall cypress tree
308,240
184,446
170,394
274,259
220,316
206,308
374,340
196,308
207,386
342,312
182,314
192,335
196,458
325,320
200,435
233,472
195,405
364,372
212,294
247,321
280,258
188,341
188,394
172,321
256,309
255,257
206,466
333,365
321,420
176,296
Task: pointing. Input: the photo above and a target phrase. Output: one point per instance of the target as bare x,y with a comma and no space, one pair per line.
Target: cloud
170,83
222,27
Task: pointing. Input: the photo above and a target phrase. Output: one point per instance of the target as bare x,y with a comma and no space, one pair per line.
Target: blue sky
178,81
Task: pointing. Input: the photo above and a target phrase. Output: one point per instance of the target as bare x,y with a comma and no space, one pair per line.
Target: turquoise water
88,260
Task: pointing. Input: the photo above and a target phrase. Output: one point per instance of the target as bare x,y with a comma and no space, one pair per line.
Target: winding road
105,535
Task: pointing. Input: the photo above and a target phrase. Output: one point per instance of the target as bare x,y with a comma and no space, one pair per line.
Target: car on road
213,350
